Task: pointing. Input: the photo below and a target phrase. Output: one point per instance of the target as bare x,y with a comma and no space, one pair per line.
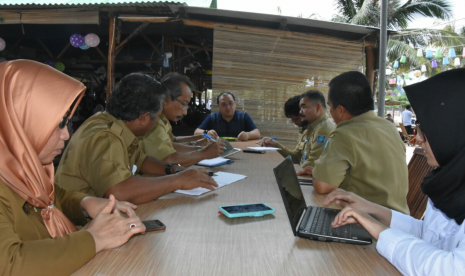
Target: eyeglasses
184,106
420,133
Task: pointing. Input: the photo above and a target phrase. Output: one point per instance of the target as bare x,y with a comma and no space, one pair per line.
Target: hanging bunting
434,64
438,53
445,61
396,64
419,53
403,59
457,62
423,68
429,54
452,53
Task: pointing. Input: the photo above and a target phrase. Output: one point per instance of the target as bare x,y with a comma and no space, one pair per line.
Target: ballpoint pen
272,138
209,138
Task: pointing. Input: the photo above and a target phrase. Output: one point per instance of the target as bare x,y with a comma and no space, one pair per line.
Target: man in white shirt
407,119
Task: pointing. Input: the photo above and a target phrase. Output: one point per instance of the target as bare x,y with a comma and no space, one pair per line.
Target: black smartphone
153,225
254,151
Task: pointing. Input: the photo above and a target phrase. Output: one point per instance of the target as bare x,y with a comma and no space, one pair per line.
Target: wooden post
370,65
111,57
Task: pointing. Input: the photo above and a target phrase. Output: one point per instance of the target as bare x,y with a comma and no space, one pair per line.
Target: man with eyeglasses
160,142
228,122
104,156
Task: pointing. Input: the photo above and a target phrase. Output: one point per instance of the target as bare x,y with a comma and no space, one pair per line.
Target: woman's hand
349,215
94,205
110,229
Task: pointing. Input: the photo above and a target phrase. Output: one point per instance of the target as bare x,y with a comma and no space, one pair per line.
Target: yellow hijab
33,99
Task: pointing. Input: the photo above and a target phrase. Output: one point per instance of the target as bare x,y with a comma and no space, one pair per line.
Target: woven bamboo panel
263,68
55,16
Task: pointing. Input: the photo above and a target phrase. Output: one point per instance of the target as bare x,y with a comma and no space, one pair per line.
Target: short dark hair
222,94
315,97
136,94
408,107
291,107
172,82
389,114
352,90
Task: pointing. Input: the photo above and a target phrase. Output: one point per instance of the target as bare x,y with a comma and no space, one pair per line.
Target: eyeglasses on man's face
184,106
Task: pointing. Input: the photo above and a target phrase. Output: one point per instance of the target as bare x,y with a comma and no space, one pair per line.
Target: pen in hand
209,138
272,138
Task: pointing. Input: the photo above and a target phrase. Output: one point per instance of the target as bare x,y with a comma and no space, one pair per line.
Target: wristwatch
168,168
205,131
192,143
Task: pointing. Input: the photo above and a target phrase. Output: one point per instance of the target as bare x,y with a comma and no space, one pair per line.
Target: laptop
229,149
313,222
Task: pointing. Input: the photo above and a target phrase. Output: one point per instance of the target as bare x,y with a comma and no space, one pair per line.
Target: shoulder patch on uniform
320,140
331,135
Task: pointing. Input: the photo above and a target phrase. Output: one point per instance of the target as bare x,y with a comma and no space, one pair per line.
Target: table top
198,241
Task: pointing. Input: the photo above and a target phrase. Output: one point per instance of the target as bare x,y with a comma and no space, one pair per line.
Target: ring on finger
132,225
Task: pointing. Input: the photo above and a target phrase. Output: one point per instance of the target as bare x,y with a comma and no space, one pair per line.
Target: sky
321,9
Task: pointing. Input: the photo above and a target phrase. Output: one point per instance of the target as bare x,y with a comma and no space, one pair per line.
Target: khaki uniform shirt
102,153
312,142
26,247
364,155
158,141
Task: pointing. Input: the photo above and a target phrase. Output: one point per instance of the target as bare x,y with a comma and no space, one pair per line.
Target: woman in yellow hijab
37,218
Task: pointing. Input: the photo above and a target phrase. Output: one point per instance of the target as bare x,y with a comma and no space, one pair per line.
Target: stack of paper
215,162
222,178
264,148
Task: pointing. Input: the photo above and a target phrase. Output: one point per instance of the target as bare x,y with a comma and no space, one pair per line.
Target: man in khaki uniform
312,112
103,156
364,154
160,142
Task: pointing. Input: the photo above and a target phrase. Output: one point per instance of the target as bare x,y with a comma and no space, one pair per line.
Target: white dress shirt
435,246
407,117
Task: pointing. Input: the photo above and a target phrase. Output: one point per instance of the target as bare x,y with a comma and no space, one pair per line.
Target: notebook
215,162
313,222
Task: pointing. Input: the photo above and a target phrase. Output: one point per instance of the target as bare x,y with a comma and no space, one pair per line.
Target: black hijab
439,105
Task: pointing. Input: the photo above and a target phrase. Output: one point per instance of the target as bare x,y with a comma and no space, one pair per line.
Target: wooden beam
64,50
191,46
100,52
151,19
131,36
370,65
158,61
192,53
149,41
199,23
111,57
45,48
17,44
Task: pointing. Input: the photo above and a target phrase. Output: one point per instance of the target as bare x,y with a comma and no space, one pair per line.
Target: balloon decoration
92,40
60,66
84,46
2,44
50,63
76,40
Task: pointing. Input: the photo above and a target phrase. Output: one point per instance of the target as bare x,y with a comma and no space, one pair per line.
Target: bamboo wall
264,67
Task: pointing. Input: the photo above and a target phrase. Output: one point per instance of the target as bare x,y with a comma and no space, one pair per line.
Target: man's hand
267,142
110,229
306,171
243,136
212,133
349,215
214,150
194,178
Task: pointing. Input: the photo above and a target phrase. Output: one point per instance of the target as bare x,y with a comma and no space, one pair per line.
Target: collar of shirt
318,120
367,115
162,119
233,119
120,128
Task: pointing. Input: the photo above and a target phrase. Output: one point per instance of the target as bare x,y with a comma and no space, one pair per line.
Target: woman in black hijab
435,245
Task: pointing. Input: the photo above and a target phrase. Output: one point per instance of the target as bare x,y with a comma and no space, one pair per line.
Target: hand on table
212,133
214,150
194,178
110,229
202,142
306,171
94,206
349,215
243,136
267,142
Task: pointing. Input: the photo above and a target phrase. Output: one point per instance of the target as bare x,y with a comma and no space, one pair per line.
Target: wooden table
198,241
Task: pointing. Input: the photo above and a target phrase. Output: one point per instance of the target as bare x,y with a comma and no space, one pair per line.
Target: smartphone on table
246,210
153,225
253,151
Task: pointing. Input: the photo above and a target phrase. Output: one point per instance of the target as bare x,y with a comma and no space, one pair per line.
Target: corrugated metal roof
99,3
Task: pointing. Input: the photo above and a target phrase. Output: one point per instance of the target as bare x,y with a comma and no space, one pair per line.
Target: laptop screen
290,191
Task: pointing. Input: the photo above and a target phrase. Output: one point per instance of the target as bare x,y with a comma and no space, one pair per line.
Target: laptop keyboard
322,224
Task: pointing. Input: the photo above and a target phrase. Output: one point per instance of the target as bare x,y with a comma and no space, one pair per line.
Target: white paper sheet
264,148
213,162
222,178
